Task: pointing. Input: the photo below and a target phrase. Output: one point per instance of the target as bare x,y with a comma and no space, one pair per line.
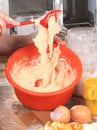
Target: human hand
4,19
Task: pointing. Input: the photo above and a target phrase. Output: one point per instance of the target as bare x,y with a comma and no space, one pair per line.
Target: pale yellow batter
56,73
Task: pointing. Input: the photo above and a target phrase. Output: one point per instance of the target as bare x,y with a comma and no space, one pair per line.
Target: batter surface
51,72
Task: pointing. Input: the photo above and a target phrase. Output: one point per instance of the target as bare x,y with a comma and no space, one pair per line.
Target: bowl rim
43,94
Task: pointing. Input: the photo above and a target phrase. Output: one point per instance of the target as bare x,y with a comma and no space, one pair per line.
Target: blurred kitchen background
75,12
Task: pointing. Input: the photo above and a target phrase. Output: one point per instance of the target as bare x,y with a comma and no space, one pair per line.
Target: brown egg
60,114
80,114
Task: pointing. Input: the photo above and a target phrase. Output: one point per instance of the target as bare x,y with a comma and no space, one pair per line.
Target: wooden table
15,116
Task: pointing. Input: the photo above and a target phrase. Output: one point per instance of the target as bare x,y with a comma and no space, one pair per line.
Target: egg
80,114
60,114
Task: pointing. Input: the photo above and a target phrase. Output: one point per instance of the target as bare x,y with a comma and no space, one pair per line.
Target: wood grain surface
15,116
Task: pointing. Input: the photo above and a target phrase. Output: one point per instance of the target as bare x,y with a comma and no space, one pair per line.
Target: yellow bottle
90,94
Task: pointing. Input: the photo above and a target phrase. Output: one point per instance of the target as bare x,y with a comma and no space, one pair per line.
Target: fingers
9,20
4,19
2,26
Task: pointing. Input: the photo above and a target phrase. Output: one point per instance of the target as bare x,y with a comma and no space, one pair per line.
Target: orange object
80,114
43,21
21,24
38,100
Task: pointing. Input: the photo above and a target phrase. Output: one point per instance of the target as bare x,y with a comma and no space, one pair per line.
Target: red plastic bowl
38,100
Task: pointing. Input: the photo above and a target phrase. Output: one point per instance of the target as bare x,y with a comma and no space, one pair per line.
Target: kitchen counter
15,116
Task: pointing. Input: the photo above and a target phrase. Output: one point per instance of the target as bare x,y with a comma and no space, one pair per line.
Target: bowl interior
31,51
